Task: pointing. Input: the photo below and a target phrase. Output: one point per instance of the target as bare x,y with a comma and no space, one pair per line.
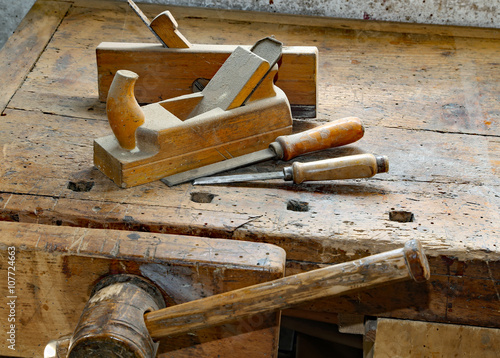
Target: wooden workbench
429,99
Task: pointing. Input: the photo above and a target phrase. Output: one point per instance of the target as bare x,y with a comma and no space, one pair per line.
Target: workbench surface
429,99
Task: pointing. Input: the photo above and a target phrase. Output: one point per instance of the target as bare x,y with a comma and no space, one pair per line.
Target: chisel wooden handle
334,134
349,167
400,264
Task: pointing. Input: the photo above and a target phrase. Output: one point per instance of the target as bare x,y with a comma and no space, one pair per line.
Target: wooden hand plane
238,112
173,66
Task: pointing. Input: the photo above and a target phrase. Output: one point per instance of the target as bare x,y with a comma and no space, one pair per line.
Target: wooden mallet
124,316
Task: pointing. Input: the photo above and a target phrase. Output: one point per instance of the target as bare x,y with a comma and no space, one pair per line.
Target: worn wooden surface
398,338
429,100
21,51
56,269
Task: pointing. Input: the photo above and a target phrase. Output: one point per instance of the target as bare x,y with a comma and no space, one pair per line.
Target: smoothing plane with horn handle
238,112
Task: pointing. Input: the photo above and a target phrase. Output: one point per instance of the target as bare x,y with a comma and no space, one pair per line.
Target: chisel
349,167
334,134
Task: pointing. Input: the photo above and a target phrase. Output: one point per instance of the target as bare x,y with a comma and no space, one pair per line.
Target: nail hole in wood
401,216
205,198
297,205
80,186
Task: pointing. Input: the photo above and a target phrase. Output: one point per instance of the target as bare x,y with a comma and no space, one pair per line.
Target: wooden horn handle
124,113
400,264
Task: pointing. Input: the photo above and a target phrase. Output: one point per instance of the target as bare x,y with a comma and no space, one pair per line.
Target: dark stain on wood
134,236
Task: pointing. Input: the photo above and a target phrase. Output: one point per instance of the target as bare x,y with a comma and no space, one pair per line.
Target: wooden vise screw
124,316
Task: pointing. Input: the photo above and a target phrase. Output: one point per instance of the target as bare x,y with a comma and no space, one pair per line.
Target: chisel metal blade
239,178
220,167
350,167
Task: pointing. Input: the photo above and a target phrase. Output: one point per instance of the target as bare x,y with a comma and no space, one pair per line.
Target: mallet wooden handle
334,134
336,280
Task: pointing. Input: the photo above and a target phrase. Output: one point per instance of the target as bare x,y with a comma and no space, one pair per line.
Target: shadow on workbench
302,338
325,187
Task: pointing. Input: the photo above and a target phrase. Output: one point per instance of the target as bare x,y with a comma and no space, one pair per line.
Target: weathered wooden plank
461,290
65,72
414,81
57,267
411,81
396,338
455,210
449,204
21,51
338,234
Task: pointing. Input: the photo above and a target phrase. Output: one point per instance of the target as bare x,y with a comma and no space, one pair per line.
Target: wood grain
166,73
411,81
123,112
245,17
57,267
397,338
235,80
112,321
333,134
21,51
